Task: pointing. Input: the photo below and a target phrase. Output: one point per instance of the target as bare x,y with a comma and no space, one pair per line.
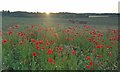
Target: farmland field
59,44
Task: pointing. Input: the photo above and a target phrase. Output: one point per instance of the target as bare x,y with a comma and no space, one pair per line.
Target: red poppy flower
99,46
87,27
88,58
21,42
55,34
37,47
116,37
94,36
54,62
102,40
88,66
95,42
100,35
50,51
61,48
50,60
33,40
10,32
43,48
93,51
89,39
73,52
0,33
67,30
41,42
34,54
98,38
16,26
75,34
99,56
36,43
93,32
108,46
113,42
110,54
91,63
33,26
51,41
19,33
111,39
47,43
4,41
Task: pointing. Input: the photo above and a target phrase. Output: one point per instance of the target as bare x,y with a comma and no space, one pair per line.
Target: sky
75,6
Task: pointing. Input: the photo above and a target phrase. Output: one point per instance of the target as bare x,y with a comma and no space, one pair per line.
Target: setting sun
47,13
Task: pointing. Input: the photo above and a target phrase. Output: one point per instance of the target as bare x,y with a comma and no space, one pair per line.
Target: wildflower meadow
57,46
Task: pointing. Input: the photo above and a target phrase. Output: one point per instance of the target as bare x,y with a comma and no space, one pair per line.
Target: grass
64,46
0,42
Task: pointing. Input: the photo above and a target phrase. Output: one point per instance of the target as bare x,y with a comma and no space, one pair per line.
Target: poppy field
57,46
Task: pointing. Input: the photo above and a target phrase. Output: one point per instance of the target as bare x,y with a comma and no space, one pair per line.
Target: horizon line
57,12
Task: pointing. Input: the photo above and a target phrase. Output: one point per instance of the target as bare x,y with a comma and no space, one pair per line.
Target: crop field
59,44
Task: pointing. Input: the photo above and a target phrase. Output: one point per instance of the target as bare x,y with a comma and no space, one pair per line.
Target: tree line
59,14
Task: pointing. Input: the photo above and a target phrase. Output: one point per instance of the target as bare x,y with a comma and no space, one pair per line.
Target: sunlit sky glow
76,6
